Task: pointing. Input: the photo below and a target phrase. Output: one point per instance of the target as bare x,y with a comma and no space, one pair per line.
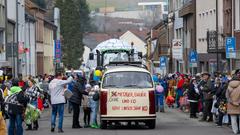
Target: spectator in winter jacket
57,88
16,119
193,97
221,100
45,87
33,93
76,99
171,84
206,89
179,91
70,87
233,97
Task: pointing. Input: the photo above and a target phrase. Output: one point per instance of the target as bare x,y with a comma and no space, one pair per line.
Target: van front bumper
127,118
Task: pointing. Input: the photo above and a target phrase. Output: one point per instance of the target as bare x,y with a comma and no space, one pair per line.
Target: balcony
188,8
213,45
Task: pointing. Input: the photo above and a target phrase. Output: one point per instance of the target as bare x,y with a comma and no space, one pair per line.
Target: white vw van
126,95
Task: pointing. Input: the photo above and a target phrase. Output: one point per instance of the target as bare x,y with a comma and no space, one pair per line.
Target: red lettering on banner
114,108
125,101
144,108
130,94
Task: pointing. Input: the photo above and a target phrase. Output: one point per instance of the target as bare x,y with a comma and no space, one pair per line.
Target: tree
75,21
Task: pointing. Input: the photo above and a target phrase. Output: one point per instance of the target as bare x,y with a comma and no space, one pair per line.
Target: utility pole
6,27
17,57
217,51
233,27
149,54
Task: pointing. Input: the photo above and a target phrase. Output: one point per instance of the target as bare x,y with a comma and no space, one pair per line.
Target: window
1,37
127,79
165,7
10,32
2,16
237,14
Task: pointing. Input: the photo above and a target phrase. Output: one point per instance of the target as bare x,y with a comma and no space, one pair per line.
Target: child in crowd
160,97
86,107
94,104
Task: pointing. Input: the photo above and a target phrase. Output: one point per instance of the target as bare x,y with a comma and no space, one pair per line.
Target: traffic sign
193,58
163,61
231,47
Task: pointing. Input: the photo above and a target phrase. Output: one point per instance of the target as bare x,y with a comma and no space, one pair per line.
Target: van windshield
127,79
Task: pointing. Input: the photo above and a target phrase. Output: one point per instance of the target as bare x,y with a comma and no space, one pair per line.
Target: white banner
177,49
133,102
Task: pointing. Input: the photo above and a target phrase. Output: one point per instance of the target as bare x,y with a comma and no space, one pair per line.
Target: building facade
236,30
21,37
3,21
11,47
175,23
30,45
48,49
134,40
38,13
188,13
205,13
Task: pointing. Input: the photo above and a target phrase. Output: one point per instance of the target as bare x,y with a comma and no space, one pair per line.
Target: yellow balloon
98,73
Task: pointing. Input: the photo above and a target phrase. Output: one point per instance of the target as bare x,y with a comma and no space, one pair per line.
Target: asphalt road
172,122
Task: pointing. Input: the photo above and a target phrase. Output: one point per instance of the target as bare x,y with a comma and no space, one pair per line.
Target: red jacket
180,83
21,84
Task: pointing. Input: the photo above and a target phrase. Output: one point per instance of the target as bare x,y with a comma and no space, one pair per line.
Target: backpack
12,106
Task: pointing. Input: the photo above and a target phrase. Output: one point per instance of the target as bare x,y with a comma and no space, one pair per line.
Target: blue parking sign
163,62
231,47
193,56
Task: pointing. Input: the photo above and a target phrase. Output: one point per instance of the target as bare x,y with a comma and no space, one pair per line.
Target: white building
15,34
134,40
30,45
21,36
206,21
3,61
178,30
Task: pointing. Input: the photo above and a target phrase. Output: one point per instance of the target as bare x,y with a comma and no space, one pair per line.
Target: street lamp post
217,51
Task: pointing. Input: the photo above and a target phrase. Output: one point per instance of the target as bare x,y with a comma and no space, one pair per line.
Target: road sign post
163,63
193,60
231,49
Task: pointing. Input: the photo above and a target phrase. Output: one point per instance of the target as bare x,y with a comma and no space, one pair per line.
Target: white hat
88,86
198,74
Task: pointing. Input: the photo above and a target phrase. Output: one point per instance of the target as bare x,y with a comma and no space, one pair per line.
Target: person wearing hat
76,99
193,97
206,88
233,98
